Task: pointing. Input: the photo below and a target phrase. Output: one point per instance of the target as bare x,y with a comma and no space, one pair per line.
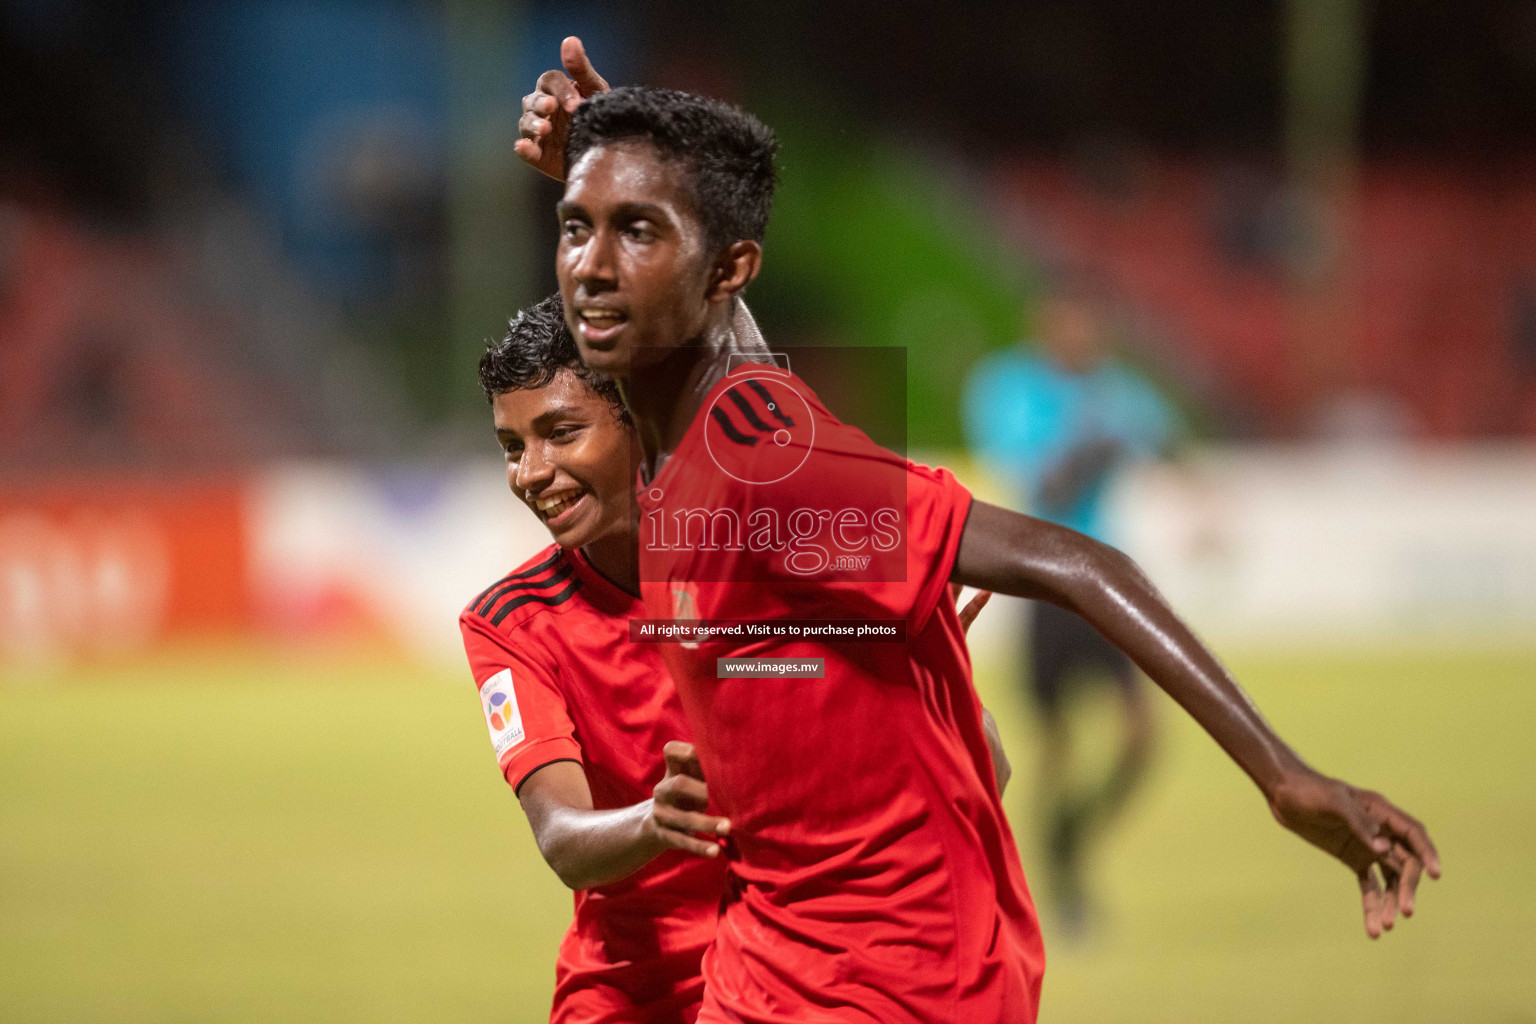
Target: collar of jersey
599,589
694,435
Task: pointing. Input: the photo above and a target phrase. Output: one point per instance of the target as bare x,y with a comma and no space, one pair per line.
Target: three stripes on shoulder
530,586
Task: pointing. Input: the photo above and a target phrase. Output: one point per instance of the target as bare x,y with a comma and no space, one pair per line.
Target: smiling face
635,272
570,458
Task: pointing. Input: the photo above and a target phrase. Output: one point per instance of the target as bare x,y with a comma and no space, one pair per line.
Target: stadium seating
1439,318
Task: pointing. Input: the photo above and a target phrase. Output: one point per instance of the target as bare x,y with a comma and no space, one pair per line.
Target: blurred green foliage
872,244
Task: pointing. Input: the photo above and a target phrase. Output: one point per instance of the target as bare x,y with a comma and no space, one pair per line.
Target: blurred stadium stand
129,349
1442,267
249,253
250,250
149,321
281,191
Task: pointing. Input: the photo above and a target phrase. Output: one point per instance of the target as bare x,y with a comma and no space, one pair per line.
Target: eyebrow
623,211
638,211
545,418
549,416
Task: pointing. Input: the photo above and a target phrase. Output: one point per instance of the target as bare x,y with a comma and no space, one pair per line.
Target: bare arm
588,848
1015,554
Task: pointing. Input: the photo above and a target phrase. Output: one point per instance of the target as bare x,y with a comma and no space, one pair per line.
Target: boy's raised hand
547,111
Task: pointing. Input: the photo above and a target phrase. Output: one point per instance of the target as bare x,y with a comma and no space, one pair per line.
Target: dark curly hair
728,152
537,347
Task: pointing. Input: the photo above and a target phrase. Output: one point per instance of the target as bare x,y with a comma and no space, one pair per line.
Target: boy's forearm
1128,609
585,847
591,848
1014,554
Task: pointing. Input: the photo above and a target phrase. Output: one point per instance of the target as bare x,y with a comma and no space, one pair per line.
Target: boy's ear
734,269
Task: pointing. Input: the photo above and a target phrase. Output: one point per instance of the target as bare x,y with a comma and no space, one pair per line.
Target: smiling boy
586,726
877,878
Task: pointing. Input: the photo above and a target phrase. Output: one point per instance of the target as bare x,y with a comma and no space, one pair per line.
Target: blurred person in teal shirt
1058,418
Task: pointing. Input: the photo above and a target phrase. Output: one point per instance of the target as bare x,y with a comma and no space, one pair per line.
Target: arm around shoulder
588,848
584,847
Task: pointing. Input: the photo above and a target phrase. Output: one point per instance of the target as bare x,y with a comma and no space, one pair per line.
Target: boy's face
570,458
632,261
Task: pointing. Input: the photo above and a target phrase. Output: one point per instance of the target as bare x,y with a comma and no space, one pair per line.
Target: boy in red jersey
579,717
877,878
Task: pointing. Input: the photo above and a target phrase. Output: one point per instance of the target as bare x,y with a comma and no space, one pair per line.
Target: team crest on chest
685,605
685,600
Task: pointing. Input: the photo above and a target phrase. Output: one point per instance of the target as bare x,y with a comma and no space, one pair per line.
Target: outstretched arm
589,848
1015,554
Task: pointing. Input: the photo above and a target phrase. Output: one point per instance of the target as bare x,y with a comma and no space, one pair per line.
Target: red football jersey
559,680
875,875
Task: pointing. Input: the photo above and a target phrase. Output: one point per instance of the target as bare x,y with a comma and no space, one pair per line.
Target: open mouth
558,509
599,323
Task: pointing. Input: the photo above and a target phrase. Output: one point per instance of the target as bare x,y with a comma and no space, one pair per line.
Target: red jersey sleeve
937,507
521,700
907,574
911,587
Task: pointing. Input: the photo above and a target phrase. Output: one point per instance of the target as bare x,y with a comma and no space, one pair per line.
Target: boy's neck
617,558
664,399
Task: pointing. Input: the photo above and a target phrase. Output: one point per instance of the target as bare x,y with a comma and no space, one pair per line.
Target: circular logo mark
760,429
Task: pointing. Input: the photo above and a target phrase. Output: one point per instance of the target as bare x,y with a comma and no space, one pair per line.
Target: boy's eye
574,229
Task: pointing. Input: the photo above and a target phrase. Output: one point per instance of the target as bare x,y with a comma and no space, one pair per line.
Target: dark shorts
1064,651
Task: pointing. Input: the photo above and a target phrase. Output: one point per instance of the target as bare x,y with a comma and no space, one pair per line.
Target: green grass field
235,837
